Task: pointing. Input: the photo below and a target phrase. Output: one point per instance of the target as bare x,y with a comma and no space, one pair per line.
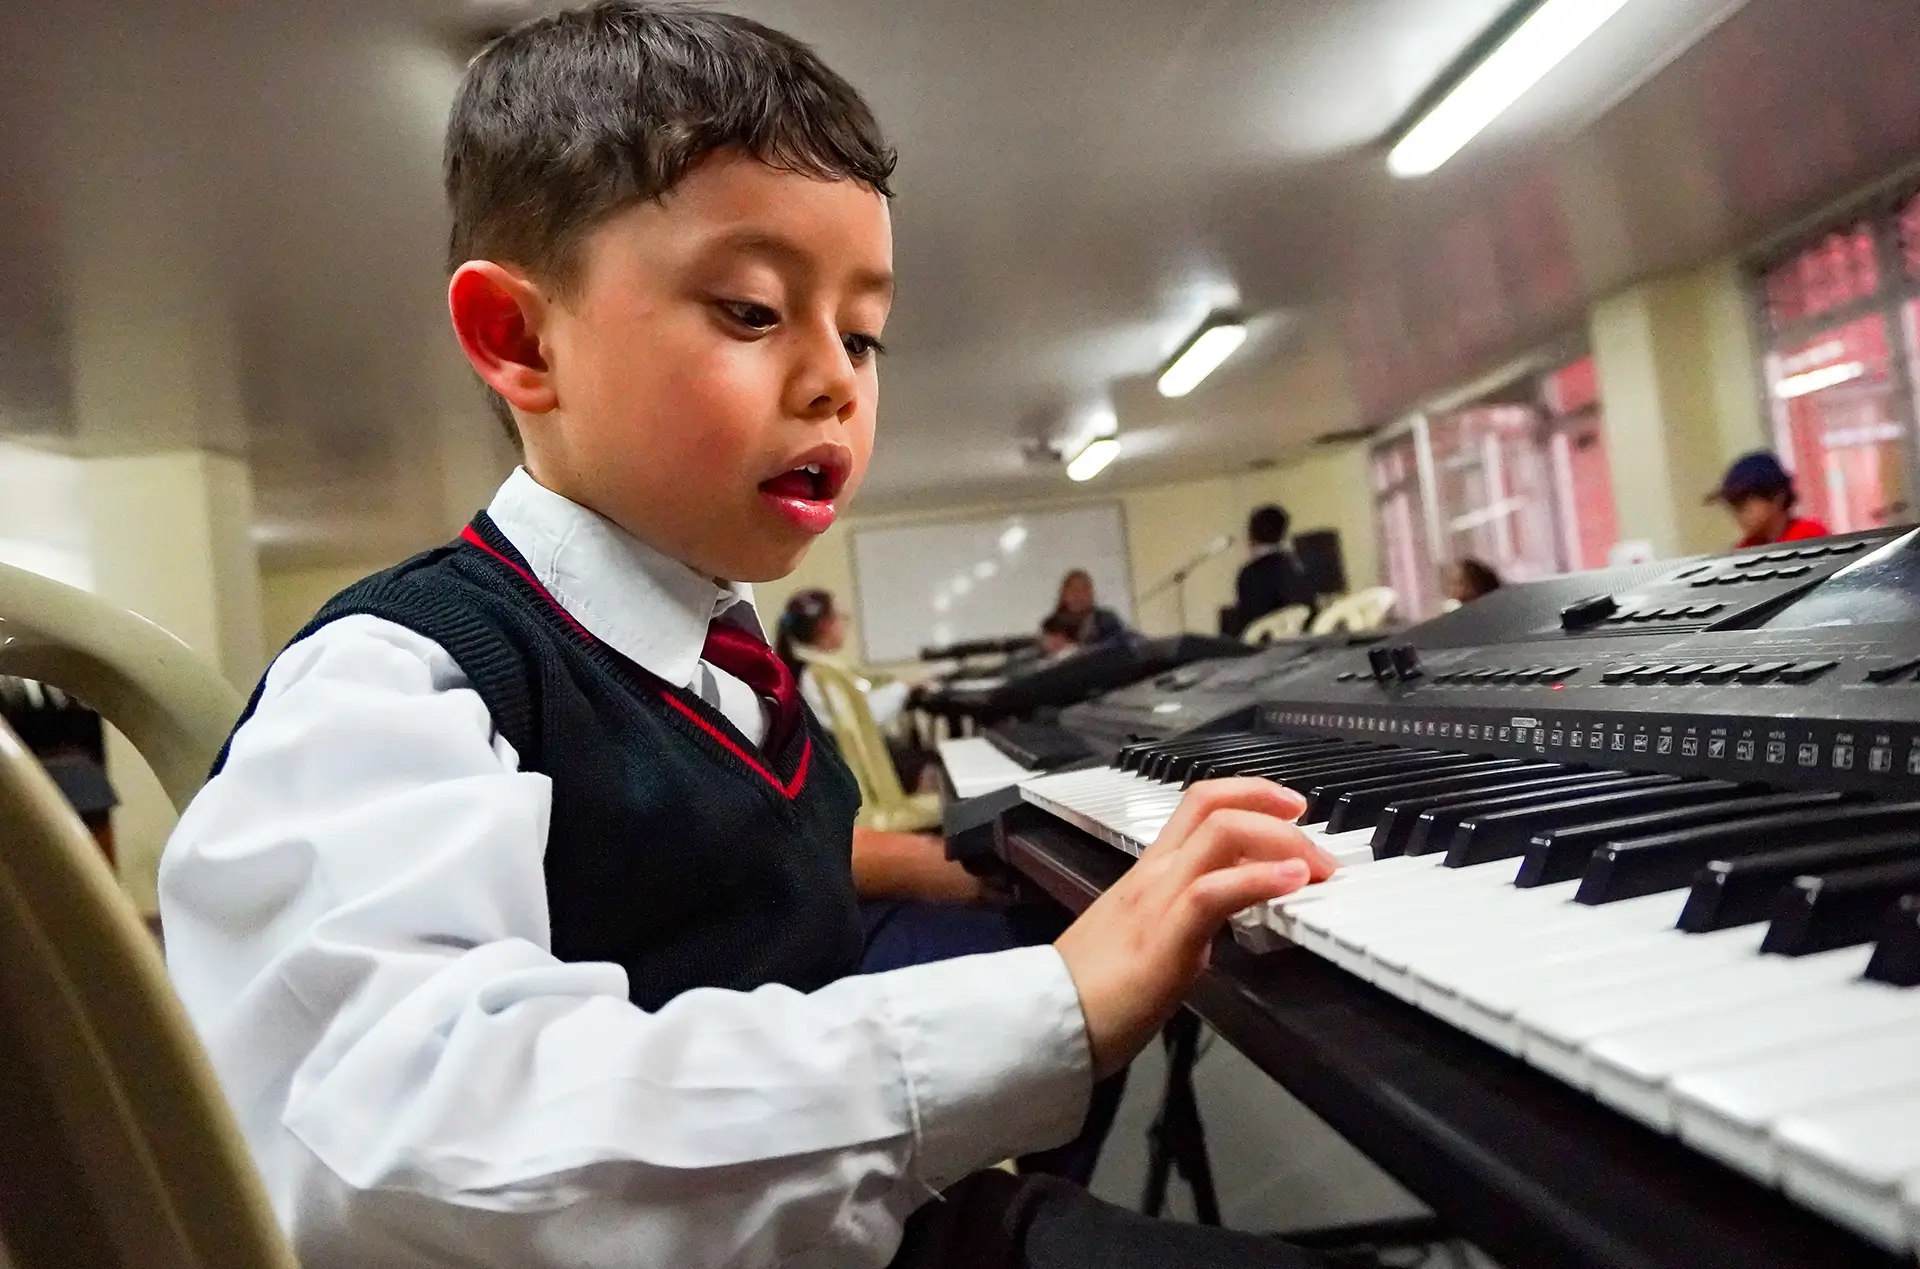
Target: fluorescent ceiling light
1012,537
1093,460
1540,43
1201,357
1814,380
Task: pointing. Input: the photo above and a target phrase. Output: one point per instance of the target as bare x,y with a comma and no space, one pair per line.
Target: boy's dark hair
568,119
1268,526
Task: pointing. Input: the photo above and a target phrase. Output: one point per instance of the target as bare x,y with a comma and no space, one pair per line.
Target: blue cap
1756,473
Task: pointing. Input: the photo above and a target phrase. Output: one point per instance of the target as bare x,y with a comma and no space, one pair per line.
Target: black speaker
1319,552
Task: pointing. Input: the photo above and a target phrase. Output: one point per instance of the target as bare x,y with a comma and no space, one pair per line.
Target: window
1518,480
1841,316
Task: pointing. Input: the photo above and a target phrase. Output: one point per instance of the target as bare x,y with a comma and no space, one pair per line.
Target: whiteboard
928,585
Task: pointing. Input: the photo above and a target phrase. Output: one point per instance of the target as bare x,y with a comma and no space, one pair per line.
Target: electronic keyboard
1671,862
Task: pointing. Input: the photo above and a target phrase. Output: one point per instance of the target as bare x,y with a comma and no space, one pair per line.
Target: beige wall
290,596
1679,389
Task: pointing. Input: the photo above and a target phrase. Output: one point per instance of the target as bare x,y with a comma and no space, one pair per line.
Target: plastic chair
884,804
173,706
1361,611
117,1149
1281,623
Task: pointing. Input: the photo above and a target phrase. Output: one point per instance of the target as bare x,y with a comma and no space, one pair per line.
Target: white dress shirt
356,919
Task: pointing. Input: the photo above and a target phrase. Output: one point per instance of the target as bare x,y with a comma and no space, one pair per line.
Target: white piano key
1559,1030
1851,1160
975,767
1631,1070
1728,1111
1487,1004
1910,1198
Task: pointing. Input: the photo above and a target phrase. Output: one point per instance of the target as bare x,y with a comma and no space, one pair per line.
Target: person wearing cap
1760,493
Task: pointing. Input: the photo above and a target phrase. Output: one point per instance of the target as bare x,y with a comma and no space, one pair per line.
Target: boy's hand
1136,950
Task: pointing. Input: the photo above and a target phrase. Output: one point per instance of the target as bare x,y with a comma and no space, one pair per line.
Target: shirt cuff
994,1050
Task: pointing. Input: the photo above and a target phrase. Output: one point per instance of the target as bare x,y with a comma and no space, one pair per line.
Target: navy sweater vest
675,849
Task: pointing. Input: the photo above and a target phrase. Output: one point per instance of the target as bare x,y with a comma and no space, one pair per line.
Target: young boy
517,917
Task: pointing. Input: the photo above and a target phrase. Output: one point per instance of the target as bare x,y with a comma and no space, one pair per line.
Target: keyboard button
1722,673
1763,672
1806,671
1894,670
1687,673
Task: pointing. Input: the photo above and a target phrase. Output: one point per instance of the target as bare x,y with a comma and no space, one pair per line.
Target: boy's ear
497,315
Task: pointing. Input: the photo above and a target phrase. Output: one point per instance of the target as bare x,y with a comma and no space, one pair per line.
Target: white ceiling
246,192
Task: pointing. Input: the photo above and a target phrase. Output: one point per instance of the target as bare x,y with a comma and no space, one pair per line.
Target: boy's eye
751,315
860,347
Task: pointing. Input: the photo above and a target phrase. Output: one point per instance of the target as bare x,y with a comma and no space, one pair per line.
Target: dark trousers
993,1220
1044,1218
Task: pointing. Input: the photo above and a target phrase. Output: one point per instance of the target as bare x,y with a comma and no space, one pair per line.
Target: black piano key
1561,854
1174,764
1397,824
1360,808
1504,834
1133,757
1324,795
1733,892
1373,766
1286,772
1896,954
1501,830
1158,760
1839,909
1627,869
1248,761
1432,830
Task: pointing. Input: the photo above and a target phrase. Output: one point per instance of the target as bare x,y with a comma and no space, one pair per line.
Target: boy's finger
1241,793
1214,897
1233,836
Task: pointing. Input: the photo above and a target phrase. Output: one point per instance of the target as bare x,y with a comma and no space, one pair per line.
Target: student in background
1273,578
813,629
1470,579
1059,635
1760,493
1091,623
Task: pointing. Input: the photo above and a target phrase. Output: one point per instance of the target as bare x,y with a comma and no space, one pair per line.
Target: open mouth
811,482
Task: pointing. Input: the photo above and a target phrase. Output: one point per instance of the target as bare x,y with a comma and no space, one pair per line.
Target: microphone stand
1176,581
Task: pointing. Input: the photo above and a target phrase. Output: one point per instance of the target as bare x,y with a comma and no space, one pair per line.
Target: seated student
811,628
516,917
1761,496
1060,635
1091,623
1470,579
1272,578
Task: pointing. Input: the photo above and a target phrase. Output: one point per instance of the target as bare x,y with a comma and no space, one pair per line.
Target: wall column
1681,397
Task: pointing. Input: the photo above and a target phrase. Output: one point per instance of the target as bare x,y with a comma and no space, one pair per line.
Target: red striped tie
749,659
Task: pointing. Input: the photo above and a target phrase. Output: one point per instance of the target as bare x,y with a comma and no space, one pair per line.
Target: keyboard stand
1177,1139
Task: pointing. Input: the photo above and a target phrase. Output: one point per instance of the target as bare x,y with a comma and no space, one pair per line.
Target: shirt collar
647,606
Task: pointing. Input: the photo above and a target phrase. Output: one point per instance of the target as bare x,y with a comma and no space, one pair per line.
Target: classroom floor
1276,1165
